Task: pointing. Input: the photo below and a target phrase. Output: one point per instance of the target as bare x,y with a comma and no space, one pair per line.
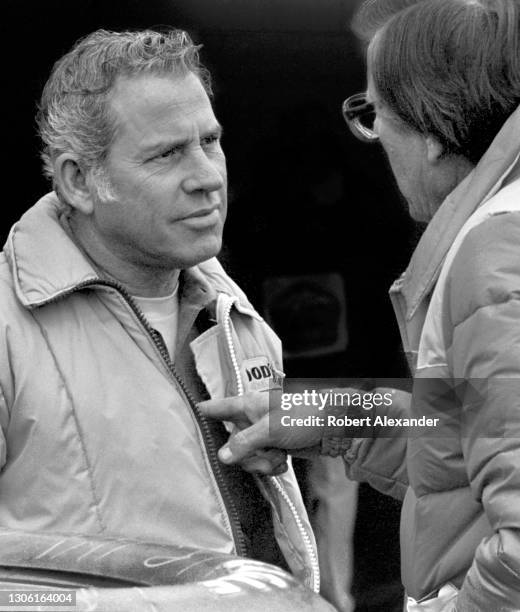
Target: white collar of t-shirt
162,313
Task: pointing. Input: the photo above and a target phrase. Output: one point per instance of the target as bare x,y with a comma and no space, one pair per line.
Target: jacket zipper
234,521
275,481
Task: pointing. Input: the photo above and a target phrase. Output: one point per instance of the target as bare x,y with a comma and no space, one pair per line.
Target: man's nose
203,173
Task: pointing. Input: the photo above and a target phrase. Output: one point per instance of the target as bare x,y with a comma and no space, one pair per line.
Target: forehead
151,105
372,49
370,58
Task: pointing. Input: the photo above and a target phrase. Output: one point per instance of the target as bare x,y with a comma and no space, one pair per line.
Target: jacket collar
46,264
499,164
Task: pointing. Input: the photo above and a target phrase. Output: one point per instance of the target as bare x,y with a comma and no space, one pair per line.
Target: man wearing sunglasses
442,100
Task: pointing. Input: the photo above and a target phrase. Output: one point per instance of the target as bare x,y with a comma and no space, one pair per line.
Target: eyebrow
160,145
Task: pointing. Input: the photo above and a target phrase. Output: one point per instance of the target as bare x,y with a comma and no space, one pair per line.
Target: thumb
244,443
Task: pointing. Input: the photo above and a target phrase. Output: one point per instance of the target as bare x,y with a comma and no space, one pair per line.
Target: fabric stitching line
16,275
77,425
4,401
455,487
2,435
500,555
510,298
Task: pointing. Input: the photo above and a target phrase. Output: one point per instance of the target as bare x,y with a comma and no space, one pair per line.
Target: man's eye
210,140
169,153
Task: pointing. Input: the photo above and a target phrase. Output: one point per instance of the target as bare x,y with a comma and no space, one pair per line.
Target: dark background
306,197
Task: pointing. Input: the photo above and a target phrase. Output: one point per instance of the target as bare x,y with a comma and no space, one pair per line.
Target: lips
203,212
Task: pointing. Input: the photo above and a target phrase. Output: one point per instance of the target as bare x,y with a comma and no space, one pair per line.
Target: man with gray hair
116,320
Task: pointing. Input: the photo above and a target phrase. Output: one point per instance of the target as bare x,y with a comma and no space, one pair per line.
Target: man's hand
259,426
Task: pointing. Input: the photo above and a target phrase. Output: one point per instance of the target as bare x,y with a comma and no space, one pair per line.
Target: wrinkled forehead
148,89
149,99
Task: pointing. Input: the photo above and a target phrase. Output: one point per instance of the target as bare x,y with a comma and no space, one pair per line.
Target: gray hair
74,114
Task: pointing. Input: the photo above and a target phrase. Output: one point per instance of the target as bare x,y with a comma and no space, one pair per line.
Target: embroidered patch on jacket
259,375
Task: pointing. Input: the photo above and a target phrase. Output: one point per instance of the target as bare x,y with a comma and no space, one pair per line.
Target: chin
201,254
419,214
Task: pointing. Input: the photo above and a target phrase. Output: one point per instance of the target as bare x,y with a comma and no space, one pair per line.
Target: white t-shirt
163,314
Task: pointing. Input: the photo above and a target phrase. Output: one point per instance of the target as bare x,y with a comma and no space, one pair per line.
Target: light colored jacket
458,310
98,432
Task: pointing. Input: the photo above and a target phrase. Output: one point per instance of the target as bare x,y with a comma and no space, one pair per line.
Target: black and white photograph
260,306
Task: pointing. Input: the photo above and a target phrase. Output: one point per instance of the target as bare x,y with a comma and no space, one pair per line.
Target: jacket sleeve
381,461
485,311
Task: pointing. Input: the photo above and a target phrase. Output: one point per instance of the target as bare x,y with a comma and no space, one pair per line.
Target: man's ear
71,180
434,149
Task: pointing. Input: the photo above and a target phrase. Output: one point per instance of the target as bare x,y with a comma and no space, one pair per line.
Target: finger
251,406
245,443
239,423
267,461
281,469
261,465
275,456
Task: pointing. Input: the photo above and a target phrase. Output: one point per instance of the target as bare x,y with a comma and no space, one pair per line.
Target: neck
455,169
138,279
